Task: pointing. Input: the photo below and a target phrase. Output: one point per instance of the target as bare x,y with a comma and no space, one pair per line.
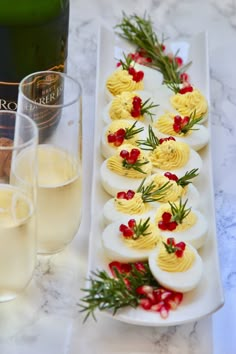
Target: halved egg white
195,235
144,95
194,161
177,281
192,194
115,247
109,149
114,183
111,214
198,138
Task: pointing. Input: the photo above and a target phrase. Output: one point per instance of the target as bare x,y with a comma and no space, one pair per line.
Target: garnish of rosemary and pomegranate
152,140
184,180
170,220
185,124
140,108
176,248
118,137
131,160
130,284
134,230
139,31
126,65
150,193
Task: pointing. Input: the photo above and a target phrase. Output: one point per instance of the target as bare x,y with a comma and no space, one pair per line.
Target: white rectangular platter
208,296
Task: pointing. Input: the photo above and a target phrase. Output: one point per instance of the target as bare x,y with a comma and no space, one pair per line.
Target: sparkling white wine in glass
59,201
17,209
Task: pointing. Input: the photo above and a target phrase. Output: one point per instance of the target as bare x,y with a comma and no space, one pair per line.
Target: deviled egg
182,222
126,168
136,106
167,154
190,100
130,242
176,266
185,129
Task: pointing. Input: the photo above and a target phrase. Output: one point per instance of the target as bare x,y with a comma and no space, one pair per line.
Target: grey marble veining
46,318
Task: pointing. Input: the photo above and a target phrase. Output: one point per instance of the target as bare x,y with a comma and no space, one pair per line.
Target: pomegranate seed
119,141
172,225
164,311
131,160
170,241
179,253
186,89
118,64
157,307
136,113
166,217
137,100
139,76
179,61
181,245
128,232
120,132
123,227
171,138
162,225
178,119
178,297
124,154
171,176
132,71
163,47
177,127
120,267
185,121
121,195
144,290
135,153
139,266
165,295
173,305
111,138
132,223
145,304
184,77
130,194
157,293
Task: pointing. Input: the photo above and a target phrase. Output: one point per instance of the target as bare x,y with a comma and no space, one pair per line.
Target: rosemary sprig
141,228
136,165
130,132
150,194
139,31
185,180
192,121
125,64
106,292
151,142
170,247
179,212
146,107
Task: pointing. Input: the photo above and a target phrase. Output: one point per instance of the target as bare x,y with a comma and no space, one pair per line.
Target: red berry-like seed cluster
162,140
186,89
125,195
184,77
116,138
137,106
137,75
171,176
128,231
166,223
130,157
154,299
179,61
178,247
140,57
160,300
180,123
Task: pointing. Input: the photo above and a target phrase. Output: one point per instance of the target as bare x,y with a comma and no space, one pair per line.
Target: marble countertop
46,318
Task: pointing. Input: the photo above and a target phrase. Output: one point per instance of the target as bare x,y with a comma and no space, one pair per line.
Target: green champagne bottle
34,37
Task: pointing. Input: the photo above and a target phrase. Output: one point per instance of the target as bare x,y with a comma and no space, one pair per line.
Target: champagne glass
18,172
53,101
